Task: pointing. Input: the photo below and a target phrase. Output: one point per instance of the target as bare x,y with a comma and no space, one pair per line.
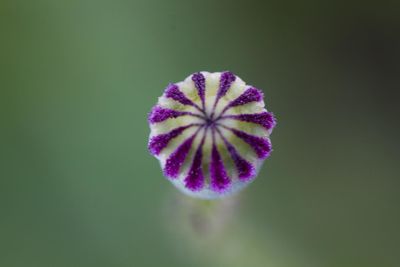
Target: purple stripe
159,114
265,119
195,178
226,80
246,171
159,142
172,91
250,95
177,158
218,176
262,146
200,83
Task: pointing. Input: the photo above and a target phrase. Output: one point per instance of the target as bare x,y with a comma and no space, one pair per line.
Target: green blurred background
78,187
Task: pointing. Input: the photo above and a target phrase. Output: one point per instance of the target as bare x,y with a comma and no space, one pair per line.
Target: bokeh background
78,187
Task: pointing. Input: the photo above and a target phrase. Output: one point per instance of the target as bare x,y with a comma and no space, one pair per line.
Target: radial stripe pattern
210,133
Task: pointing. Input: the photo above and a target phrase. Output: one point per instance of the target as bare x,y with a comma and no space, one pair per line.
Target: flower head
210,133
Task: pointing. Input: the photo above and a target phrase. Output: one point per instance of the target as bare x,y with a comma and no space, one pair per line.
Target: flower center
209,121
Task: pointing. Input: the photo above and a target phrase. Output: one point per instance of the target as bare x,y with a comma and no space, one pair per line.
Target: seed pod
210,134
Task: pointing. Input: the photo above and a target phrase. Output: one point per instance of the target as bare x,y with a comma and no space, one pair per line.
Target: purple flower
210,133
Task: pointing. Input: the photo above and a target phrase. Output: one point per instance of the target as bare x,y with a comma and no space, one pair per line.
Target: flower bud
210,134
